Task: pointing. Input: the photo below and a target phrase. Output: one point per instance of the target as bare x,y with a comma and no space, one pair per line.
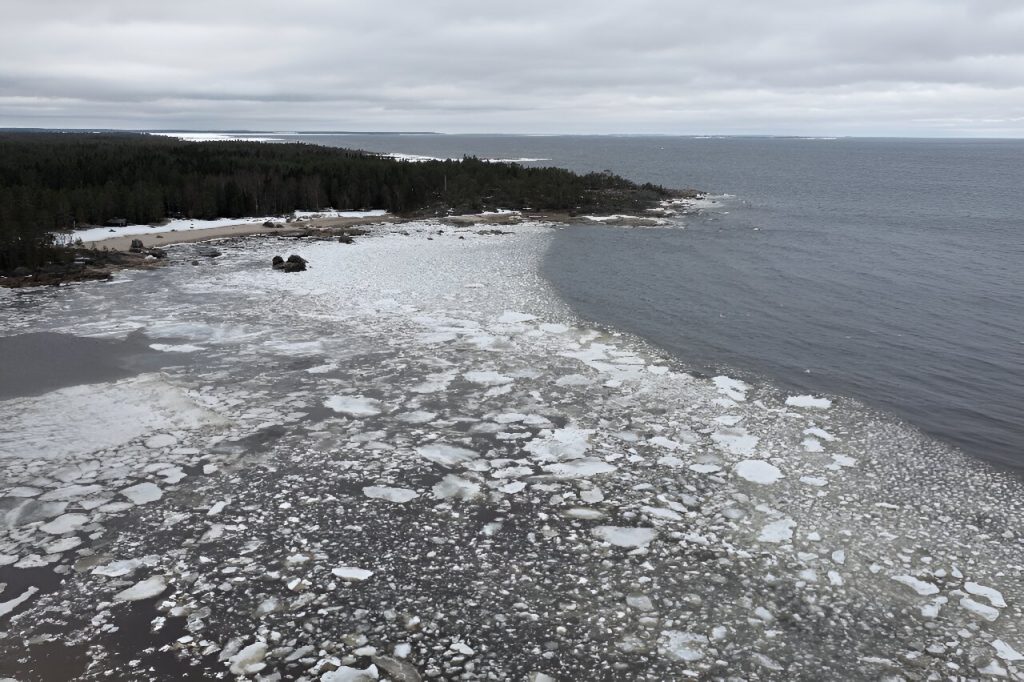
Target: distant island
51,181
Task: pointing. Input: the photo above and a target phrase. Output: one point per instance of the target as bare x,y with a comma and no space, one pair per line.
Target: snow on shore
97,233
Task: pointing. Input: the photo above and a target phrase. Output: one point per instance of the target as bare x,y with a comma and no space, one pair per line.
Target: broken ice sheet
398,495
625,537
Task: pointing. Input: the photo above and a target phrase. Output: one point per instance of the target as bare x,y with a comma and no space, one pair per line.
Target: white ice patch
682,646
994,596
7,607
510,317
581,468
812,445
348,674
922,587
733,388
758,471
449,456
1006,652
144,589
249,660
143,493
560,444
416,417
455,487
179,348
625,537
399,495
819,433
487,378
981,610
735,440
777,531
808,401
65,523
353,406
351,573
96,417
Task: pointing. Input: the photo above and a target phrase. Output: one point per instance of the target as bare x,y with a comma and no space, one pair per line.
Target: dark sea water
888,270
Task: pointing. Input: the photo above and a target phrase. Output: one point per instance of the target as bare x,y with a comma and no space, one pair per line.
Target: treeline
55,181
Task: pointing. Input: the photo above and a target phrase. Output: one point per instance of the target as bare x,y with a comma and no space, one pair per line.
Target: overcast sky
805,67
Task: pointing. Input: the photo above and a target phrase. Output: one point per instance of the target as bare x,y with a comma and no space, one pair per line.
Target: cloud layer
812,67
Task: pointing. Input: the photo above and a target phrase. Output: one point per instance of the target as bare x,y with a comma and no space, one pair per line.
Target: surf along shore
413,461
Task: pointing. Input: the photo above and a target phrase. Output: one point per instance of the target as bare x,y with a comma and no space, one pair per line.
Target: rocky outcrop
293,264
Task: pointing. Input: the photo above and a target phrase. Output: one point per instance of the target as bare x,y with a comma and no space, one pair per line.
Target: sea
887,270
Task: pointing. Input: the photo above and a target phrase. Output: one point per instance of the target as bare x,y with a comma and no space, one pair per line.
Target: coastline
427,393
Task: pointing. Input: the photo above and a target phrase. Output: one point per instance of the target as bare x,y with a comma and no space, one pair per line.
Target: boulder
158,253
293,264
345,239
136,246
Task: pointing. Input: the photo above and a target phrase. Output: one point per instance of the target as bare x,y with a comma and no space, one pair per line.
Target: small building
116,222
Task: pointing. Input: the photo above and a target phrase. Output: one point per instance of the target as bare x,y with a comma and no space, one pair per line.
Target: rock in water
136,246
293,264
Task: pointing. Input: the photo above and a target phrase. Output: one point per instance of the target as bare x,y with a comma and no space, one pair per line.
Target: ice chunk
144,589
449,456
71,492
758,471
487,378
777,531
399,495
143,493
920,586
351,573
510,317
812,445
808,401
353,406
417,417
625,537
347,674
65,523
63,545
249,660
1006,652
681,646
560,444
118,569
7,607
733,388
581,468
819,433
584,513
161,440
816,481
735,439
455,487
977,608
993,595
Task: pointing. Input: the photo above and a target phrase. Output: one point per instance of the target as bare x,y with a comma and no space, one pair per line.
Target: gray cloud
893,67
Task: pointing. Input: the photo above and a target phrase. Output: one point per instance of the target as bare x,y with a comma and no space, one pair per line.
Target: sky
930,68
